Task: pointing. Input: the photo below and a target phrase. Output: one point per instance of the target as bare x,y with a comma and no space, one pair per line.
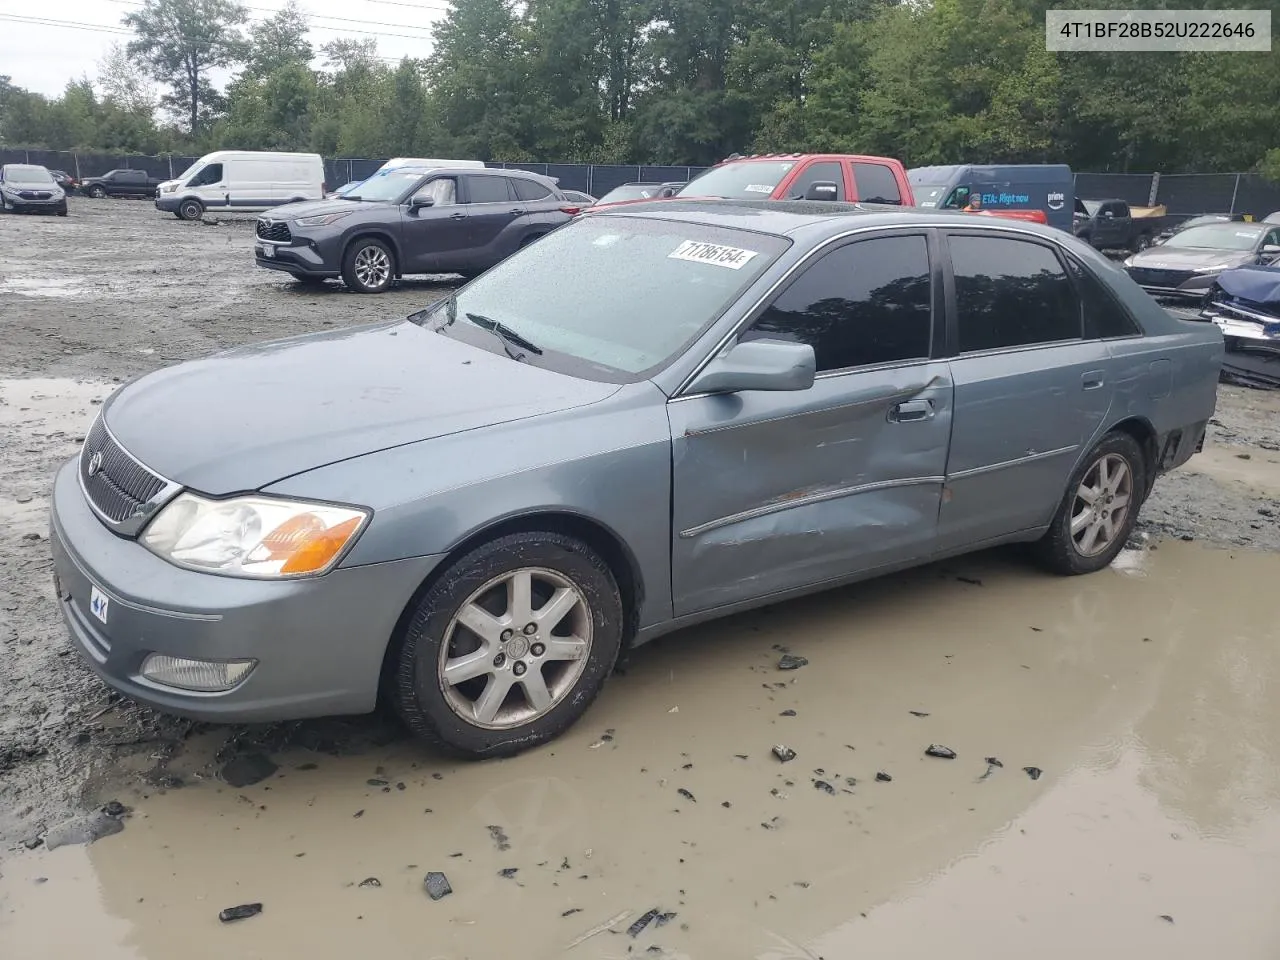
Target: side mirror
759,365
421,200
1271,249
821,190
1109,215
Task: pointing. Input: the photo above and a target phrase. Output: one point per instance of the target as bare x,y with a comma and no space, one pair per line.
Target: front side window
876,183
1010,293
824,172
488,189
207,177
866,303
443,191
642,291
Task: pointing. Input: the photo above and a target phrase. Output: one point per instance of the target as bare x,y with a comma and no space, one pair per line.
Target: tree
280,40
124,82
181,41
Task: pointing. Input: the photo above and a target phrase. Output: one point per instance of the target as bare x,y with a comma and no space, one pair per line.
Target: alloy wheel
1101,505
373,267
515,648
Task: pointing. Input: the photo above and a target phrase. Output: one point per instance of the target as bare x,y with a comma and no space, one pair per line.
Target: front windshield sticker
758,188
734,258
1247,235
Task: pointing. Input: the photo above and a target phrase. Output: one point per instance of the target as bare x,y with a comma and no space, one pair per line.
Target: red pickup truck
804,176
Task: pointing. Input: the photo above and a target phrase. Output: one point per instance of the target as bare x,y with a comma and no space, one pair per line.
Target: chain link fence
1184,194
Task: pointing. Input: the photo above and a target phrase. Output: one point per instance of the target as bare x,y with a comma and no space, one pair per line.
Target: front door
209,184
432,235
779,490
1030,391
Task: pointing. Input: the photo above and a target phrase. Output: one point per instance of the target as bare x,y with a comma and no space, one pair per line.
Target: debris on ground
882,777
597,929
686,794
1166,918
993,764
88,828
247,769
437,885
784,753
824,787
789,662
571,911
787,713
114,808
242,912
370,882
917,713
508,872
937,750
500,838
637,928
1032,772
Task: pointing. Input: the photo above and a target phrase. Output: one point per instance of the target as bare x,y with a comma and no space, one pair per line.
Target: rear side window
823,172
531,190
1011,293
132,175
876,183
868,302
1103,315
488,189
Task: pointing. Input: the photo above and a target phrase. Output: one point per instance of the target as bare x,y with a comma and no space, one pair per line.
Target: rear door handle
458,216
1092,380
518,212
910,410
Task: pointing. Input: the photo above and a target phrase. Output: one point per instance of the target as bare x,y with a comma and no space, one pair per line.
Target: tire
190,209
456,717
97,192
62,210
1140,243
1069,555
368,266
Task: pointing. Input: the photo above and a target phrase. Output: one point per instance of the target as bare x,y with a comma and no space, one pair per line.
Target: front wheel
509,646
97,192
1099,509
190,210
368,266
1141,243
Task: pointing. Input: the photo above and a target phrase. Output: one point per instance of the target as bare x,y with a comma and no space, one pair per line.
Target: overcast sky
43,56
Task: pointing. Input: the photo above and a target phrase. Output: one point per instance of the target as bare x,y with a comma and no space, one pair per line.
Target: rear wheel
97,192
509,646
190,210
368,266
1099,509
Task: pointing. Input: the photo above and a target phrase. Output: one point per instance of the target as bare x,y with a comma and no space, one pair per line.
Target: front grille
277,230
116,484
1150,277
35,194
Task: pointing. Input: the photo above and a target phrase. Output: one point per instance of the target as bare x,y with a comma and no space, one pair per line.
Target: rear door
774,491
541,204
1114,225
131,182
492,205
1030,390
435,237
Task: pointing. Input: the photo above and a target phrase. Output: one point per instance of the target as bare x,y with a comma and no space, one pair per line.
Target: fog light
205,675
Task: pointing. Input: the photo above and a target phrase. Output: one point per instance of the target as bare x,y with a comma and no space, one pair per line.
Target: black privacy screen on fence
1185,195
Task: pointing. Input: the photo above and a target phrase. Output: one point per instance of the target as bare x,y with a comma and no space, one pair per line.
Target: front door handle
458,216
1092,380
517,212
910,410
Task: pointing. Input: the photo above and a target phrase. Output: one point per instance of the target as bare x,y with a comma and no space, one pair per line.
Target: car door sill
653,631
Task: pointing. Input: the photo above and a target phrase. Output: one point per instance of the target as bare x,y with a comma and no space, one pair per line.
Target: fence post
1155,189
76,159
1234,190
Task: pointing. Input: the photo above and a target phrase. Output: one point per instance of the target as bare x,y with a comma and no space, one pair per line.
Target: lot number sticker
732,257
98,604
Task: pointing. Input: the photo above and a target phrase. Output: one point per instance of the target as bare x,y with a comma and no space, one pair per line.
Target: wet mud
1151,717
756,787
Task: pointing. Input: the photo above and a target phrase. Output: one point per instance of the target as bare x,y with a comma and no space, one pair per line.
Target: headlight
171,188
1128,261
1214,269
322,219
253,536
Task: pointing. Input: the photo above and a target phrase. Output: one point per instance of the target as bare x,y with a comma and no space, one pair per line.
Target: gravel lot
116,290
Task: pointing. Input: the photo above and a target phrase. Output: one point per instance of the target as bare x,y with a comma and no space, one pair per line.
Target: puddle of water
44,287
1260,472
37,415
1145,695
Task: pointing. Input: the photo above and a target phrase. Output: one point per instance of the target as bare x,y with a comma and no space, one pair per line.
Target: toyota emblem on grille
95,464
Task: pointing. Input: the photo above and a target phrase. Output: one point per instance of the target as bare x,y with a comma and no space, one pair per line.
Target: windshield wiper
504,333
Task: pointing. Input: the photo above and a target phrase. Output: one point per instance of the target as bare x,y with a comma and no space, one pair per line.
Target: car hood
316,208
252,416
1165,258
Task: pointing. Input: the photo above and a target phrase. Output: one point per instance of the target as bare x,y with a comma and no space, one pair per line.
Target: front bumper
1182,285
299,257
36,206
168,203
319,642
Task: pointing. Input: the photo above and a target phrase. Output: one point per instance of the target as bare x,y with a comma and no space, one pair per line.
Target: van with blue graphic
1044,187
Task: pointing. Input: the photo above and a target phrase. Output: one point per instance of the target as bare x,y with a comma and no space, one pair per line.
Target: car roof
815,220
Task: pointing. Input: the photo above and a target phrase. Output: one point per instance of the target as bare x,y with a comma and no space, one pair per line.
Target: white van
242,180
396,163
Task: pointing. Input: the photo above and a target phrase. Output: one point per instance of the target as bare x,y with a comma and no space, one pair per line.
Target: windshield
740,180
25,173
929,194
1091,207
1217,236
643,289
631,191
389,186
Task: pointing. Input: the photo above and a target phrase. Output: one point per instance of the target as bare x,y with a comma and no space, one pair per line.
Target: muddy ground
1143,694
